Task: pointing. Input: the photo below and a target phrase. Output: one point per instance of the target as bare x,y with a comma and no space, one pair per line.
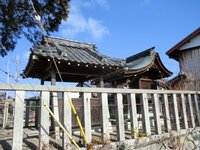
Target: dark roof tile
74,51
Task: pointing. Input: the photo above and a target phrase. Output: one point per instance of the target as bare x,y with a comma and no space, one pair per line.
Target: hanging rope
4,48
38,20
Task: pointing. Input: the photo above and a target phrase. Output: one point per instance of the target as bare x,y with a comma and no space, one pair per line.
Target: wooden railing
149,111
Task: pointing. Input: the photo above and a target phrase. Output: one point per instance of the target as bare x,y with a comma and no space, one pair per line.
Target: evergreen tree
17,18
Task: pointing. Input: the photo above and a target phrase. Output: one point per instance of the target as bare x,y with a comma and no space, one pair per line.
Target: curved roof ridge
70,40
144,53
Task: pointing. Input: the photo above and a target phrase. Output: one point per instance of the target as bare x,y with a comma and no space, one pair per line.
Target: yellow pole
61,126
78,120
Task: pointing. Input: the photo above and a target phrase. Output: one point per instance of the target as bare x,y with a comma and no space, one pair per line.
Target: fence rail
121,111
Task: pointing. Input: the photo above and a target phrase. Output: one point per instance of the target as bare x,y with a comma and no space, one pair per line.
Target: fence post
5,114
133,113
27,113
147,127
185,119
191,110
44,122
167,116
176,115
156,109
18,121
120,117
87,116
67,121
197,107
105,117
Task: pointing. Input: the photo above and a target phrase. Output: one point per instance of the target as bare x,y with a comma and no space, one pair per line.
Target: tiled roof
141,63
80,61
74,51
141,60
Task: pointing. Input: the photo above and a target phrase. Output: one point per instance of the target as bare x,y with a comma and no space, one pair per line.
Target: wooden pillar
42,82
55,107
53,77
81,84
101,81
18,121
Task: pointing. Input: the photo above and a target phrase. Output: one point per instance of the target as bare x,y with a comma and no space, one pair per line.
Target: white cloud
96,29
78,24
103,3
92,3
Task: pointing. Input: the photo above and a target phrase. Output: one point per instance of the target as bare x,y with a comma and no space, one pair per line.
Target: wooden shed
187,53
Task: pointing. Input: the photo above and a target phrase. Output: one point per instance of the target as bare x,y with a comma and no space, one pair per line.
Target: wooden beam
28,87
79,74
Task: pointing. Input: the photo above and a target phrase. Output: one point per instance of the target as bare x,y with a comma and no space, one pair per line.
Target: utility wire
7,73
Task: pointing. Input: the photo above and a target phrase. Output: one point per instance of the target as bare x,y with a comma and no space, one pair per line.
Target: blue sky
121,28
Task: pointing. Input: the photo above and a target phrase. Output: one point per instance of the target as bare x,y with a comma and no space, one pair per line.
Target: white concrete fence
169,110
